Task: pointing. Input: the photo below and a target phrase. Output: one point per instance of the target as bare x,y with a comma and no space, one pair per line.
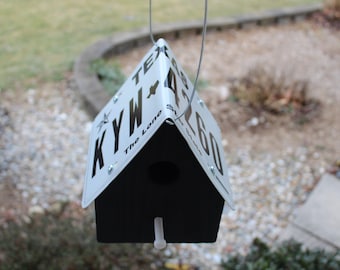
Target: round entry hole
163,172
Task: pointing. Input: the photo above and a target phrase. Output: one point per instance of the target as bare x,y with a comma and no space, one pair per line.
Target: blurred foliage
289,256
66,240
332,4
261,90
110,74
201,82
330,16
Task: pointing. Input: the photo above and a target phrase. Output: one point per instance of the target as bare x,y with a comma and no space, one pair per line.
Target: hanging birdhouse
152,172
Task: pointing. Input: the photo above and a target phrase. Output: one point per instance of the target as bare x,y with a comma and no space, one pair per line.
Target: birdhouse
156,167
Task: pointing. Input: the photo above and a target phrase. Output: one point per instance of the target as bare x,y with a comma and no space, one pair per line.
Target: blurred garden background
274,91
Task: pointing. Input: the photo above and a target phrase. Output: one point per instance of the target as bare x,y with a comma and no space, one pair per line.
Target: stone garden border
90,86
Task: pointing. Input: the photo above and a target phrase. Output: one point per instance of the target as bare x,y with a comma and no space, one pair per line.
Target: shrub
262,91
290,255
67,241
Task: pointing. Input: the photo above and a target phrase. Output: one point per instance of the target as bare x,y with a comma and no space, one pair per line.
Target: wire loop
204,30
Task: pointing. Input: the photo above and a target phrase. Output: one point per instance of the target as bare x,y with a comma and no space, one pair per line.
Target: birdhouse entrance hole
163,172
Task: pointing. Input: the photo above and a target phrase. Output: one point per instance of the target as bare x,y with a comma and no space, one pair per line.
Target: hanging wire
204,30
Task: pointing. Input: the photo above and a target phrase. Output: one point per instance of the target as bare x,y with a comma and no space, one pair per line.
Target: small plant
290,255
110,75
66,240
261,91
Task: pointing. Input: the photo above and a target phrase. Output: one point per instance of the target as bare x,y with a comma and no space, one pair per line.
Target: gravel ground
44,136
43,144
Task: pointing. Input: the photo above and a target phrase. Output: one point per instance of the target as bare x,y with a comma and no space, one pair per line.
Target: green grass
41,39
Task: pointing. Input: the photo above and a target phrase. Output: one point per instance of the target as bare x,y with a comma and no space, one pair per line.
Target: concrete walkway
316,224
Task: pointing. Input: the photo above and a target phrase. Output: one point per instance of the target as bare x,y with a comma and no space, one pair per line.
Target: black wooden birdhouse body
154,154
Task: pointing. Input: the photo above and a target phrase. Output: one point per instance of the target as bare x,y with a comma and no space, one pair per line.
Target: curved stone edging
91,88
